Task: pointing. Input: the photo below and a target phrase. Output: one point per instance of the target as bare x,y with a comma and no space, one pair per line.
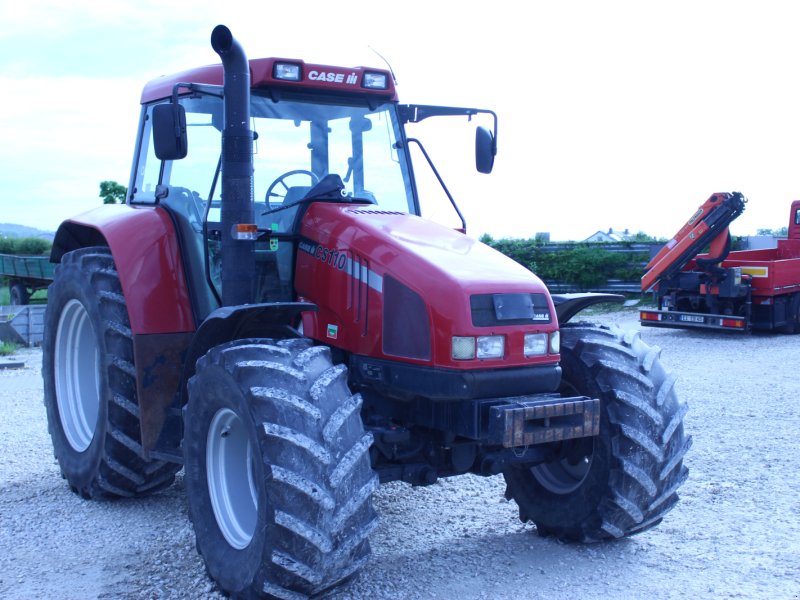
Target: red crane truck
270,312
734,291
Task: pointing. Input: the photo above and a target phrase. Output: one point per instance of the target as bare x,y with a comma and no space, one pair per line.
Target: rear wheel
18,294
793,315
90,382
278,475
625,479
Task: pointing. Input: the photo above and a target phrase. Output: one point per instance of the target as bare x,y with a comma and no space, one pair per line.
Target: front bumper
526,422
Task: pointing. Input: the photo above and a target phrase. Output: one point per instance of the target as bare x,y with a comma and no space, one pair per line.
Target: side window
797,217
195,173
385,175
148,166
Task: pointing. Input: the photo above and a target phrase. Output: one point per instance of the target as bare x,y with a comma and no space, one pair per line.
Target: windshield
353,142
296,143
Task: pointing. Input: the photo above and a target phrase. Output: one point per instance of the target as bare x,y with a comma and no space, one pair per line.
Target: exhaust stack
238,256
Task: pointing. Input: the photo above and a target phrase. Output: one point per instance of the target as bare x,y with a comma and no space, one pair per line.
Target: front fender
568,305
241,322
164,363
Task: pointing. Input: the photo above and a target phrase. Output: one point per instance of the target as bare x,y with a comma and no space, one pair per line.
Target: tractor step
525,422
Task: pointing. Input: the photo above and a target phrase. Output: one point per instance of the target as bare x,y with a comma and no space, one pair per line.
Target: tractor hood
369,269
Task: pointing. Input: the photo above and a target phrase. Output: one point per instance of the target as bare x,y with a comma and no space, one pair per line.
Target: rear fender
145,250
568,305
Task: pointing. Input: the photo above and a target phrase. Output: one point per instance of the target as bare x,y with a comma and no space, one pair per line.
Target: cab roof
322,78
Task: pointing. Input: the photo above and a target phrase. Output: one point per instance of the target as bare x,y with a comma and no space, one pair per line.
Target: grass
7,348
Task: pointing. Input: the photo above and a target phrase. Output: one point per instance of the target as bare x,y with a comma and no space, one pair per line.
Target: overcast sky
617,114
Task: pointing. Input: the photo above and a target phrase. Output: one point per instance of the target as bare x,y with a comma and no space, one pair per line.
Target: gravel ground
735,533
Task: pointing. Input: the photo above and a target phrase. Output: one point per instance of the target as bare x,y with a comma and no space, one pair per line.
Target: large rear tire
278,475
90,382
625,479
793,315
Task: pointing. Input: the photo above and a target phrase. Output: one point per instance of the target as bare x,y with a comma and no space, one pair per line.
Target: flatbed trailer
25,275
735,291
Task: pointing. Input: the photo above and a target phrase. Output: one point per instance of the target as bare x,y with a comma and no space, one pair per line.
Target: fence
23,325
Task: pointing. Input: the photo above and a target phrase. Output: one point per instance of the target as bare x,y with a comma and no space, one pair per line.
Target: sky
620,114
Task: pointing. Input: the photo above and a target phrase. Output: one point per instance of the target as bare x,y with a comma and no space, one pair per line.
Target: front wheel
625,479
278,475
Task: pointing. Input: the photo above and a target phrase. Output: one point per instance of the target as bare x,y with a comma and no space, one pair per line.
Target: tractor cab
318,134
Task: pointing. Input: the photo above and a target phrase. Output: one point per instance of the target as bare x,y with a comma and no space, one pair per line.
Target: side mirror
484,150
169,131
360,125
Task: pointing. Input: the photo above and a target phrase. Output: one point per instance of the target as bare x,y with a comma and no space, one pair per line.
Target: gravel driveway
735,533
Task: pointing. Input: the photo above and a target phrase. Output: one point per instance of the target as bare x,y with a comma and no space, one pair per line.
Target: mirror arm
441,182
414,113
198,88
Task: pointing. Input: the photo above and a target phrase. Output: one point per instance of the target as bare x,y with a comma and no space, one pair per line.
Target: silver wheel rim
562,477
77,375
231,485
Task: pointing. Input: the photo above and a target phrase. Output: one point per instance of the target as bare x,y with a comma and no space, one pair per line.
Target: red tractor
270,312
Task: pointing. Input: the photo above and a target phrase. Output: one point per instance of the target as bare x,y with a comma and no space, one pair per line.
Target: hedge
29,246
584,265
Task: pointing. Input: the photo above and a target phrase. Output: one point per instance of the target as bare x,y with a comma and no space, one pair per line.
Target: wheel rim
565,475
231,484
77,376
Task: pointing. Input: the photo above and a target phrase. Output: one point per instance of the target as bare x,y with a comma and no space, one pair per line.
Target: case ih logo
330,256
331,77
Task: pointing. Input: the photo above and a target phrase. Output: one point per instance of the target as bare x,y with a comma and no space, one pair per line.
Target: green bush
7,348
26,245
583,265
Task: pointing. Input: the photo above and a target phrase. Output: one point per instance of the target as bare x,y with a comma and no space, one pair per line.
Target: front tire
625,479
90,382
278,475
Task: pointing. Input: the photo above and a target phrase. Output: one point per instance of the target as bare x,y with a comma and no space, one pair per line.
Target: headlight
376,81
491,346
286,71
539,344
535,344
485,346
463,348
555,342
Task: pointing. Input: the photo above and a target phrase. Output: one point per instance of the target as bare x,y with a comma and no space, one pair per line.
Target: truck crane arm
708,226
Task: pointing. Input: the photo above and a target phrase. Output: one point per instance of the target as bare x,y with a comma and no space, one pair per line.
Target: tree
112,192
642,237
780,233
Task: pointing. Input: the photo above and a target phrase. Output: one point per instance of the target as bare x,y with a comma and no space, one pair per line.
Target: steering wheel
279,195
